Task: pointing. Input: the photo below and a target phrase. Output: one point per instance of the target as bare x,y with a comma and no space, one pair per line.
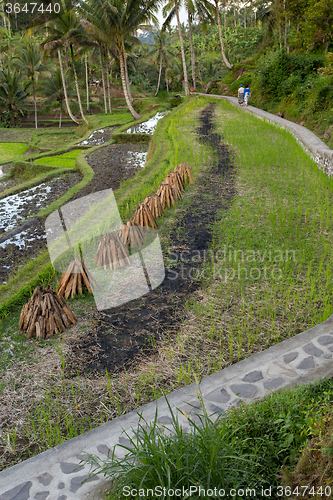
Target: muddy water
147,127
18,207
98,137
23,243
4,169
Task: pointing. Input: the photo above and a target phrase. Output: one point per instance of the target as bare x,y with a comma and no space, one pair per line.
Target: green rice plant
281,225
11,150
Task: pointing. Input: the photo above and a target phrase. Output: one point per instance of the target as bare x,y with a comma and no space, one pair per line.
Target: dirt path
122,333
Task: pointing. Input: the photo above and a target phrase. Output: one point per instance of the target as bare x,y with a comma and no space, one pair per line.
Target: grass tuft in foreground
244,450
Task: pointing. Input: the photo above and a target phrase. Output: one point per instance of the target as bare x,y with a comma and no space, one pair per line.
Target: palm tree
118,20
98,36
202,8
53,89
160,52
31,63
217,9
12,95
169,10
64,30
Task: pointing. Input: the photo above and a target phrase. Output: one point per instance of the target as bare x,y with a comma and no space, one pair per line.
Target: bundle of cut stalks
154,203
131,235
144,217
185,172
173,178
112,253
167,195
72,281
45,314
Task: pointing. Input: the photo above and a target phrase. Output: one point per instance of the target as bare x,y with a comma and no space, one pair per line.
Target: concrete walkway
57,475
319,151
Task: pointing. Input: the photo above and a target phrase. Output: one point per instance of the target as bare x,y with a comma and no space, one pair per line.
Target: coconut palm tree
98,35
218,16
119,19
53,89
13,95
30,61
63,31
160,52
169,10
201,8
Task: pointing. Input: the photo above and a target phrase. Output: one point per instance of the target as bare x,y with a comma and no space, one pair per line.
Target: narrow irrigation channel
124,333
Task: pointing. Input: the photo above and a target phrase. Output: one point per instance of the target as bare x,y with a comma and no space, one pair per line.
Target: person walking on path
241,95
247,94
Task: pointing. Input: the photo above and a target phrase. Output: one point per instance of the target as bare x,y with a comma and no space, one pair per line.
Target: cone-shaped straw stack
166,194
185,172
154,203
144,217
45,314
112,253
131,235
173,178
72,281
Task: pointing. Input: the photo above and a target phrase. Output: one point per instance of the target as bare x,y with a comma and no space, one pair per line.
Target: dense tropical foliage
101,41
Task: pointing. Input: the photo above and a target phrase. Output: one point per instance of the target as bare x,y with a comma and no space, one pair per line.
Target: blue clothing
246,91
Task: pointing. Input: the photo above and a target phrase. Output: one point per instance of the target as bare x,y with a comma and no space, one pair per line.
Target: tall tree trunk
60,115
77,86
166,78
192,49
182,49
87,80
159,74
108,79
245,16
285,26
65,90
103,79
35,102
135,115
225,60
126,75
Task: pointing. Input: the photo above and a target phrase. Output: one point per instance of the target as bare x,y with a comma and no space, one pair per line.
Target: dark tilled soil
122,333
11,255
111,166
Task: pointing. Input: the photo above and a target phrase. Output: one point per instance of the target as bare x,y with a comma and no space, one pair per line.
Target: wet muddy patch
29,238
98,137
122,335
19,248
114,164
16,208
147,127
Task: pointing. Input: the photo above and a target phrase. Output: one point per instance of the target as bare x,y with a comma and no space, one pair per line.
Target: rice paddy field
11,150
262,212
